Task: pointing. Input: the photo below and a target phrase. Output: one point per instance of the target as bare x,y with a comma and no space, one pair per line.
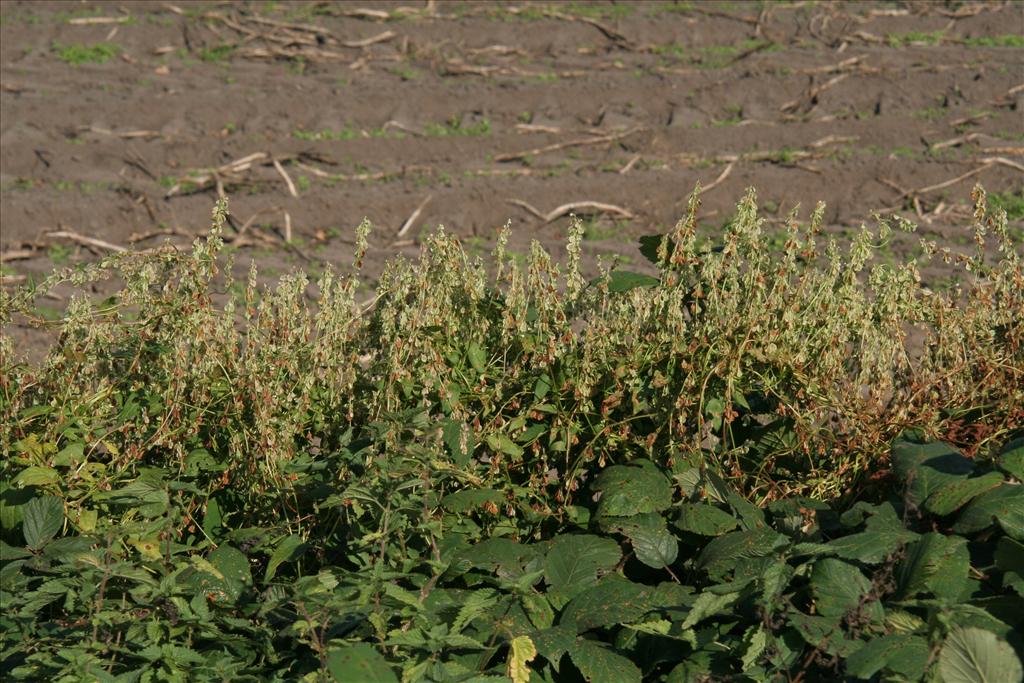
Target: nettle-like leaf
628,490
906,655
650,538
704,519
1003,505
359,662
1011,458
600,664
935,564
949,498
720,556
613,600
839,587
972,655
928,467
574,561
42,519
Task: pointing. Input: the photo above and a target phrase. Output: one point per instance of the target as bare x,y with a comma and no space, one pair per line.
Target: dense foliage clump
754,466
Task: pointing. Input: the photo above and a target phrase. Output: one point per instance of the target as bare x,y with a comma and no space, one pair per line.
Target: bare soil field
121,122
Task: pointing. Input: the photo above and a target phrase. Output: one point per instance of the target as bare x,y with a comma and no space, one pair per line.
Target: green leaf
870,546
649,245
625,280
972,655
37,476
704,519
554,642
928,467
1011,459
903,654
600,664
824,632
709,604
503,444
458,437
937,564
285,551
1003,505
628,490
43,518
359,662
477,357
656,548
838,587
573,562
720,555
230,578
1009,559
613,600
651,541
951,497
521,652
542,387
470,499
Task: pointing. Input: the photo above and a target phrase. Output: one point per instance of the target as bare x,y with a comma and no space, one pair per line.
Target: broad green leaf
971,655
601,664
521,652
625,280
937,564
824,632
903,654
1003,505
471,499
538,609
502,444
1011,459
542,387
870,546
704,519
838,587
37,476
233,566
632,489
43,518
720,555
928,467
649,245
613,600
554,642
498,552
574,561
359,662
285,551
477,357
709,604
1010,560
476,604
458,437
951,497
656,548
651,541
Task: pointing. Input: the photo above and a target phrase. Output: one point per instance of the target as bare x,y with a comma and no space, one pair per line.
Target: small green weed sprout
78,53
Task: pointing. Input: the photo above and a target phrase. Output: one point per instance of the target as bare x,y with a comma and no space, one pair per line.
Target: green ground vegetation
733,465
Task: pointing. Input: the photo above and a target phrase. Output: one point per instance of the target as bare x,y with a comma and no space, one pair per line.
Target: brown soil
863,106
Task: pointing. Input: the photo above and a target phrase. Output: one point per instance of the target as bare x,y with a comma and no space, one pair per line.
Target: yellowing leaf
521,652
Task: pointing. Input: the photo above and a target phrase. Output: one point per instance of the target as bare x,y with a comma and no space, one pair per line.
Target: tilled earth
121,122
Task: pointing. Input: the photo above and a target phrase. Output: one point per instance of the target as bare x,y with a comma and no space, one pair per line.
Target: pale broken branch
86,241
514,156
586,207
720,179
287,178
525,205
411,220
